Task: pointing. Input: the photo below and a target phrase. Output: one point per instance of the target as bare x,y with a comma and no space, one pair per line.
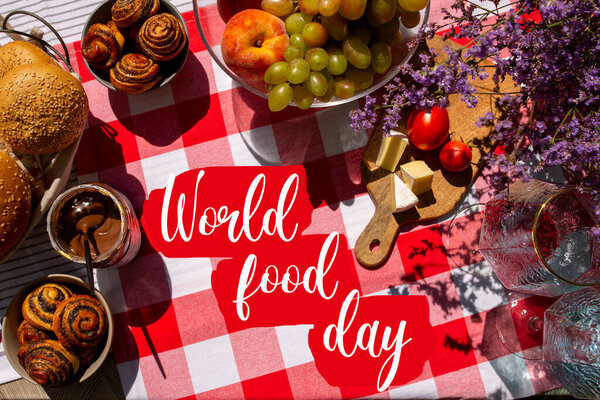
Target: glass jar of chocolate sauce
116,237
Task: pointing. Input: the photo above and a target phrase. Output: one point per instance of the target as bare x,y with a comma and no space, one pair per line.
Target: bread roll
43,108
15,202
18,53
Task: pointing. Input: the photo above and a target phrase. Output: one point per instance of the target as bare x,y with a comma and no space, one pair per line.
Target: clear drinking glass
538,239
572,342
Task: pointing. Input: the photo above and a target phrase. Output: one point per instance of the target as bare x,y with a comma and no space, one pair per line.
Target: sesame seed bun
15,202
43,108
18,53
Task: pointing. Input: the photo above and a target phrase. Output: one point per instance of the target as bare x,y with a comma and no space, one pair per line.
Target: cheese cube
403,199
391,150
417,176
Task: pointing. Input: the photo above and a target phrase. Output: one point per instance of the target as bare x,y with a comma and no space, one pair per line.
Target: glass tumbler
538,238
572,342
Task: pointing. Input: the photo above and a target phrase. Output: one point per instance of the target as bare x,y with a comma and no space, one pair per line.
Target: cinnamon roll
80,322
49,363
86,354
162,37
39,306
26,333
102,45
135,73
128,12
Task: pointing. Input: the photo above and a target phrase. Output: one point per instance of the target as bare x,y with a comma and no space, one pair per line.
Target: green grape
381,58
292,52
316,84
390,32
328,8
298,71
314,34
309,7
303,97
297,40
362,78
317,58
276,73
410,19
343,88
357,52
336,27
353,9
337,61
279,8
363,34
328,94
383,11
294,23
413,5
280,96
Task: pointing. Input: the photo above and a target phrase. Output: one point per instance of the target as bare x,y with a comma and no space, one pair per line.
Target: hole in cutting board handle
374,246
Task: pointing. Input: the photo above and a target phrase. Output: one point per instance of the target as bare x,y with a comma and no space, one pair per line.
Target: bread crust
15,202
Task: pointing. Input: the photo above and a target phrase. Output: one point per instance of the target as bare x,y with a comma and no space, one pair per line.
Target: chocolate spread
92,213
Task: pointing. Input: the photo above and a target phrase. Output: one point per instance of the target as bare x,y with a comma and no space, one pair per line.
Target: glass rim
534,233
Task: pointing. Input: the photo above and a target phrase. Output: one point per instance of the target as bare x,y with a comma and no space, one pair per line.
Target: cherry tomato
428,131
456,156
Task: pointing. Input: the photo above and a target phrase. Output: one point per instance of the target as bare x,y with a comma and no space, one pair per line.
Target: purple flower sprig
552,115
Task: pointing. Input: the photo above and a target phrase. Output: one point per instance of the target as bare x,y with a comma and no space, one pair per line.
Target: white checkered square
424,389
188,275
254,148
109,284
506,377
151,100
157,169
293,342
478,288
132,380
337,136
223,81
211,364
357,213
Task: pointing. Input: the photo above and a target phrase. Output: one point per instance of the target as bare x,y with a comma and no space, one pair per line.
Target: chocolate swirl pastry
39,306
48,362
102,45
162,37
86,354
135,73
26,333
128,12
80,322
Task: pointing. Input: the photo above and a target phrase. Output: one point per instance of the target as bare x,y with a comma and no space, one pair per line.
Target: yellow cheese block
417,176
391,150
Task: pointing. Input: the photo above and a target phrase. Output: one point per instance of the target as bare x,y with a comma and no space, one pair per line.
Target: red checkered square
166,375
129,180
389,275
460,246
124,346
230,392
195,41
145,281
110,144
157,132
209,154
199,317
444,302
271,386
200,120
346,175
196,78
299,140
243,110
453,348
110,105
423,253
325,220
484,335
353,392
457,384
319,183
256,352
82,69
212,24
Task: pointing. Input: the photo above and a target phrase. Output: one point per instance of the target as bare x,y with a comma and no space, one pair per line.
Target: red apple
228,8
252,41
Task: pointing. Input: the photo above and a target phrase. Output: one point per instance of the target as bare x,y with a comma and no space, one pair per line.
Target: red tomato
456,156
428,131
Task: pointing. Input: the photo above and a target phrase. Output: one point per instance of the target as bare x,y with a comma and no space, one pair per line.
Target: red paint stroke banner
275,276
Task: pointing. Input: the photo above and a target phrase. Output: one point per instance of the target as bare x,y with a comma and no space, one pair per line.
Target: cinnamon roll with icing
128,12
135,73
80,322
162,37
48,362
39,306
102,45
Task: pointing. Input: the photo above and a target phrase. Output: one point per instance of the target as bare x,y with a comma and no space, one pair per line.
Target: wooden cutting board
375,243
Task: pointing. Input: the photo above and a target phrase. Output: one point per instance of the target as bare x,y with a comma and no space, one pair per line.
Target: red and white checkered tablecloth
171,340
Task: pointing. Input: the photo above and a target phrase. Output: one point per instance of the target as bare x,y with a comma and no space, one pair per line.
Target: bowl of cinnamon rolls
134,46
55,333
